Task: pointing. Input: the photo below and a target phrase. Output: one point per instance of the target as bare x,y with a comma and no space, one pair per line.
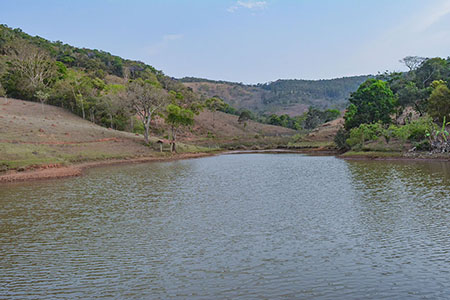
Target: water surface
252,226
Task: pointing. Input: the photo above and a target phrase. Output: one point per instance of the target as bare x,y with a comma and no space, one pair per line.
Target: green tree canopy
439,101
176,117
372,102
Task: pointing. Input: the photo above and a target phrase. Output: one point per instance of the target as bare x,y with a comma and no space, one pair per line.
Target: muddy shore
59,171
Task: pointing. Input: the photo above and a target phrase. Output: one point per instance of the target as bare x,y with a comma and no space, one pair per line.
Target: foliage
263,98
371,103
341,139
439,101
78,79
413,88
146,100
244,116
315,117
442,132
176,117
364,132
214,104
415,131
334,91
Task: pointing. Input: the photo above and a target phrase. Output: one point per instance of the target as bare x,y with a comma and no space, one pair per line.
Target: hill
32,135
292,97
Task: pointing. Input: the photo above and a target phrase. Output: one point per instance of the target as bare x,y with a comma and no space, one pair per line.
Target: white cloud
252,5
163,43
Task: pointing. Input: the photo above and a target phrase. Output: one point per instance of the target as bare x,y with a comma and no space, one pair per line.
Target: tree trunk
111,120
173,146
146,133
147,129
82,110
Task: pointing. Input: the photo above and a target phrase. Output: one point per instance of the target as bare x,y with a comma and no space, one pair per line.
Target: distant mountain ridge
290,96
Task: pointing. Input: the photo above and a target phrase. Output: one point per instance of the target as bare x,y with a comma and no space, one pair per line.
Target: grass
30,137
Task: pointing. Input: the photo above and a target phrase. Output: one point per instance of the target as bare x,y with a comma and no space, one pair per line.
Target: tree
30,69
214,104
372,102
430,70
114,103
439,101
412,62
42,96
244,116
146,100
177,116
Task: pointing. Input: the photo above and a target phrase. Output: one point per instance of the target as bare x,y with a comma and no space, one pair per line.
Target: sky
249,41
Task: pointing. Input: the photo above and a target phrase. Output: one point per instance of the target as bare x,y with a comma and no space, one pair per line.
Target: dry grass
30,136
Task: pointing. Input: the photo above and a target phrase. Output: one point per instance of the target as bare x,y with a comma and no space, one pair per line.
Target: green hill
291,97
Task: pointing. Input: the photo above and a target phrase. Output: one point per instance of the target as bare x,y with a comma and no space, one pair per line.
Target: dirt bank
58,171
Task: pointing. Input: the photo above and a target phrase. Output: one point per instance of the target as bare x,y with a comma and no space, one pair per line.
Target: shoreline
75,170
55,171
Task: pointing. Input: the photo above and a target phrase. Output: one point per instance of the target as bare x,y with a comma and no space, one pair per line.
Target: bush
415,131
363,133
341,140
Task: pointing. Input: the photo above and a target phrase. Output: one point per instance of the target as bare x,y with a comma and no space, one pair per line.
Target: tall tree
30,69
412,62
146,99
372,102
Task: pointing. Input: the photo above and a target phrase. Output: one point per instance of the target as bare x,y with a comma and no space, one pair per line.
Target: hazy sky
245,41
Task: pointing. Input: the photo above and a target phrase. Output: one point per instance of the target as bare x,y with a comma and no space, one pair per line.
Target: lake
249,226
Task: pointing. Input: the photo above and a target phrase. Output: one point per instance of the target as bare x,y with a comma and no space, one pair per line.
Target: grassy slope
30,136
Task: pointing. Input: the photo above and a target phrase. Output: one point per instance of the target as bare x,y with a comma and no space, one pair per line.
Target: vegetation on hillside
103,88
293,96
401,111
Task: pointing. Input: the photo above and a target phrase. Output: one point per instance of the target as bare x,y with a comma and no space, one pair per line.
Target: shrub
415,131
363,133
341,139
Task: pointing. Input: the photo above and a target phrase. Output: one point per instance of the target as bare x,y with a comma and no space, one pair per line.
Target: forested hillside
94,84
292,97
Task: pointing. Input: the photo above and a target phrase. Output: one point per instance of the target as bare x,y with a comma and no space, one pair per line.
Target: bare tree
146,101
34,65
413,62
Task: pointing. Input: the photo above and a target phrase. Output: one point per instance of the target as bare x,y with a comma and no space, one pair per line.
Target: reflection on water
233,226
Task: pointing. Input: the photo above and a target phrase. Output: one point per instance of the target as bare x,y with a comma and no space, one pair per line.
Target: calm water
253,226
